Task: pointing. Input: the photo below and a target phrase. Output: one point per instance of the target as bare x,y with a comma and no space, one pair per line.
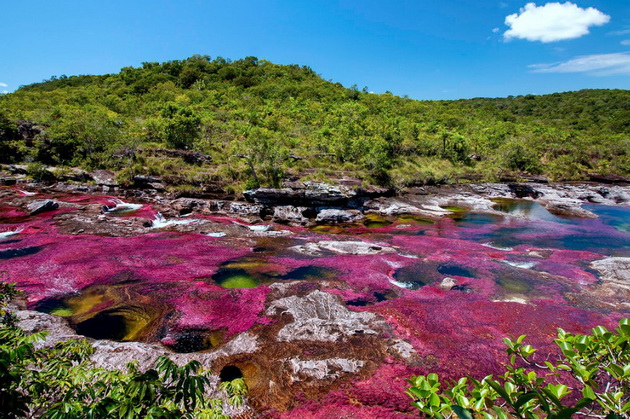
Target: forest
253,123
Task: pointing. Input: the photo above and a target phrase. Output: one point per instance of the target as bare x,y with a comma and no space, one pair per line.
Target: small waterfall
216,234
522,265
120,207
160,222
10,233
259,227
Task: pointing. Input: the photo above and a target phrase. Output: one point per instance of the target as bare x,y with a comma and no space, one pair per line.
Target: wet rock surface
322,318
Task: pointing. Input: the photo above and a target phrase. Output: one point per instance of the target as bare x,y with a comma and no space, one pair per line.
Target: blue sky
446,49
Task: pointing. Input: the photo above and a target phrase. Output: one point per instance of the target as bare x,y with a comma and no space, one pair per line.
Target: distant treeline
261,122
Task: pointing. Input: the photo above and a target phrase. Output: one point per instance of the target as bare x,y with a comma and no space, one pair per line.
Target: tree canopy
288,121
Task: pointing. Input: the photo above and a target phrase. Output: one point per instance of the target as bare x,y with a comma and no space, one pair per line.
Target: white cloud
4,85
597,65
622,32
625,42
552,22
495,30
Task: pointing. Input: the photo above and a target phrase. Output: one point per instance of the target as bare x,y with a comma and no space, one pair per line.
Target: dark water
16,253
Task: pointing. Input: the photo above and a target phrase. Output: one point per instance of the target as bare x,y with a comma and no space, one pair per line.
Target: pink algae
234,311
525,288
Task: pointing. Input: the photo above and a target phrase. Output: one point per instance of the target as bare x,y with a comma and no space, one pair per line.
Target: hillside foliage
261,122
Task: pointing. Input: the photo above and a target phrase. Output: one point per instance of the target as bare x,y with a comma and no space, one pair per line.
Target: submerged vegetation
592,379
251,122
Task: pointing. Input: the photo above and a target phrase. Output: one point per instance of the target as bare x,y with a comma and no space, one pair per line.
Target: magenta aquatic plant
450,288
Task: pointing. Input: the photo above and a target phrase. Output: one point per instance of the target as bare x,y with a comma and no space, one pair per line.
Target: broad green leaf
588,393
461,412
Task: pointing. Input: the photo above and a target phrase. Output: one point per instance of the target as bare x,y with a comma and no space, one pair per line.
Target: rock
116,355
355,247
403,348
42,205
320,316
321,369
288,214
521,190
148,182
188,205
158,186
8,181
17,169
448,283
104,178
57,327
610,179
304,194
30,131
343,247
74,174
614,269
315,194
392,208
568,210
244,209
338,216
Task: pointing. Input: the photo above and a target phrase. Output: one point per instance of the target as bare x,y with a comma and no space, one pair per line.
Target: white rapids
121,207
161,222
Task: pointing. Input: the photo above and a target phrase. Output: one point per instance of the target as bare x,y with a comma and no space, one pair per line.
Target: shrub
598,363
38,172
59,382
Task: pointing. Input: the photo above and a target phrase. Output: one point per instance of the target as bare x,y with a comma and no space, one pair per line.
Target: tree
181,127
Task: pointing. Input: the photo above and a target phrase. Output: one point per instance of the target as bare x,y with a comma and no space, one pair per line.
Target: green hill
259,123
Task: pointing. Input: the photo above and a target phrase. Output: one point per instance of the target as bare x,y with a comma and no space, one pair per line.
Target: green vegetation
261,122
235,389
59,382
591,379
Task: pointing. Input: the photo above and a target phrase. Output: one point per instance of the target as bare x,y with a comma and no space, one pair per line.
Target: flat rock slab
321,316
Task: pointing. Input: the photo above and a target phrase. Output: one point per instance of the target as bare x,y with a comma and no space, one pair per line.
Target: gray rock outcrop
42,205
320,316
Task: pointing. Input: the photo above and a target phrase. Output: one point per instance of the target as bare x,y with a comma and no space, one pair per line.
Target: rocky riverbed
325,297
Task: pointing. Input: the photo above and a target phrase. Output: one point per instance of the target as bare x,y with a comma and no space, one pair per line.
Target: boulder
288,214
188,205
448,283
614,269
148,182
104,178
522,190
42,205
8,181
338,216
568,210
